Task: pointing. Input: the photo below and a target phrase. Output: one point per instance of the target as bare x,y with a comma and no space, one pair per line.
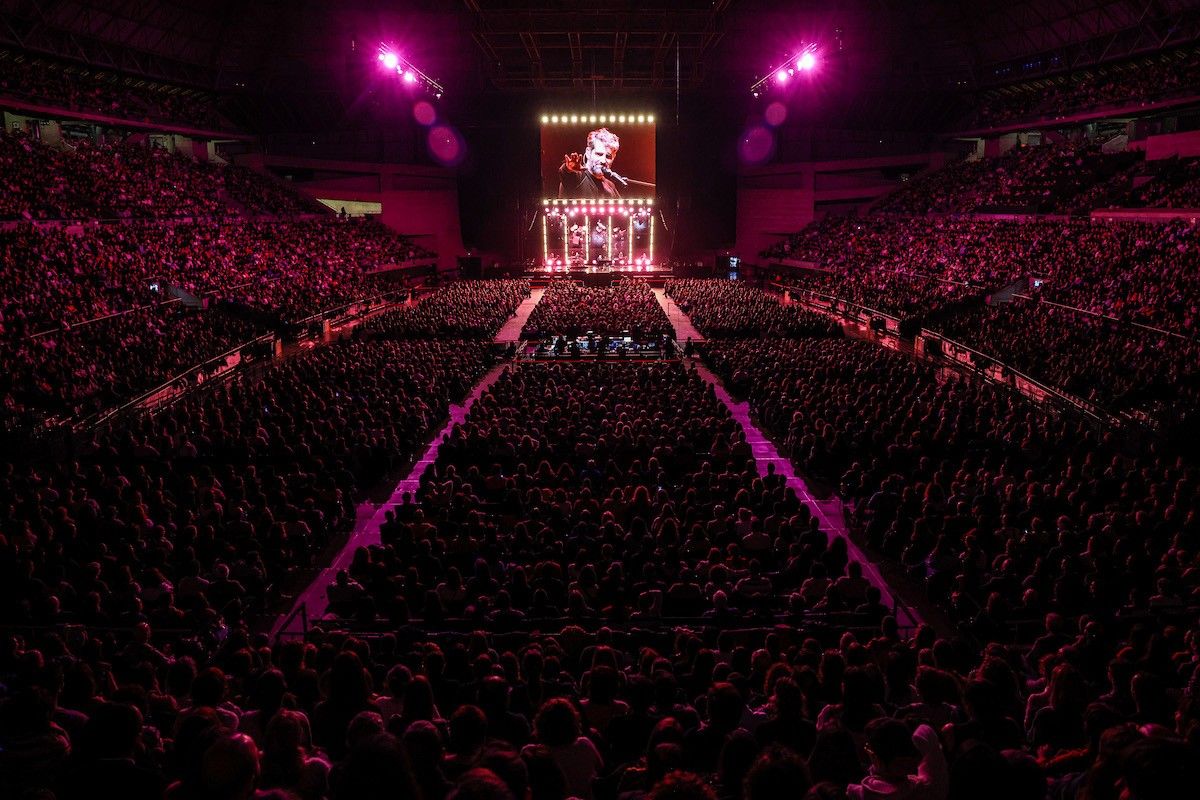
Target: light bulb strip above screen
591,118
616,201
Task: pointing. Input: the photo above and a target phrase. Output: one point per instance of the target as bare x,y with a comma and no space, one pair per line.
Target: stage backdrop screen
632,159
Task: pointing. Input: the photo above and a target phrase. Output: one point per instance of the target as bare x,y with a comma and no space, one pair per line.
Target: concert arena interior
656,400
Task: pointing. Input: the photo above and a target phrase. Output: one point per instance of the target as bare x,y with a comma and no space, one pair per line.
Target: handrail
814,266
1110,318
1090,409
870,312
113,315
103,417
739,622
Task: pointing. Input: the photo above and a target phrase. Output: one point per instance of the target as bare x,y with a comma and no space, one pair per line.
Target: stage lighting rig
394,63
804,60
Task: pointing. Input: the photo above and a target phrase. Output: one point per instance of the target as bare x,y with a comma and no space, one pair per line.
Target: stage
598,275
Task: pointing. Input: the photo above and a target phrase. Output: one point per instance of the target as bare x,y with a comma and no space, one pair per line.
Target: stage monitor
596,156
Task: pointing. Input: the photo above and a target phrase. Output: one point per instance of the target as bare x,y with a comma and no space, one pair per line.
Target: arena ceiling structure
619,45
500,46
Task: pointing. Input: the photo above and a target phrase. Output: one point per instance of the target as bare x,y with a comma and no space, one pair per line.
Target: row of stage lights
640,264
392,62
610,203
593,119
803,62
599,211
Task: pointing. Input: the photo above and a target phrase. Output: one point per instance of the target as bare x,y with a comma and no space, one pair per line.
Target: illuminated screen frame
636,253
642,171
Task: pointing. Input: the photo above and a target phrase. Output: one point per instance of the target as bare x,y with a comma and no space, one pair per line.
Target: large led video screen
598,156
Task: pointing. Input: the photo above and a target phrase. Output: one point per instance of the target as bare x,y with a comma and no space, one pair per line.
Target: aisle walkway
684,329
370,516
511,332
830,511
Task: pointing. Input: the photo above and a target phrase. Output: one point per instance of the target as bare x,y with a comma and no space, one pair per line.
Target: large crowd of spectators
56,276
720,308
901,295
1137,272
576,510
76,372
1047,178
261,194
246,482
463,308
570,309
102,92
596,591
1175,183
83,179
88,313
1070,178
1109,364
623,487
1023,525
87,317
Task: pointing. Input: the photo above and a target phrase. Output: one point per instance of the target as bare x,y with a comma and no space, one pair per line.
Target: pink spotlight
390,60
410,76
806,61
781,76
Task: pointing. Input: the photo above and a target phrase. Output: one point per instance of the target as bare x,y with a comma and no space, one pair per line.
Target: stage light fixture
805,61
621,118
545,119
408,72
554,119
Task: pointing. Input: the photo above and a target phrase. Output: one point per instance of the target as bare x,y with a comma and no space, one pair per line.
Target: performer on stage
584,176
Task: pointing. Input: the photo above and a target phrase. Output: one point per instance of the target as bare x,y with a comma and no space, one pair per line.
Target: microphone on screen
612,176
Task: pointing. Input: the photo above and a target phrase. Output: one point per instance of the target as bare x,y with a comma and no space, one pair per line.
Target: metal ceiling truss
576,47
1053,44
115,37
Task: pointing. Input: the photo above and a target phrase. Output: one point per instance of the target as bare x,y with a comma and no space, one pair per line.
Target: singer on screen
590,175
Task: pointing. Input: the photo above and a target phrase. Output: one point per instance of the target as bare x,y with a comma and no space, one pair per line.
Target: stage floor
656,274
